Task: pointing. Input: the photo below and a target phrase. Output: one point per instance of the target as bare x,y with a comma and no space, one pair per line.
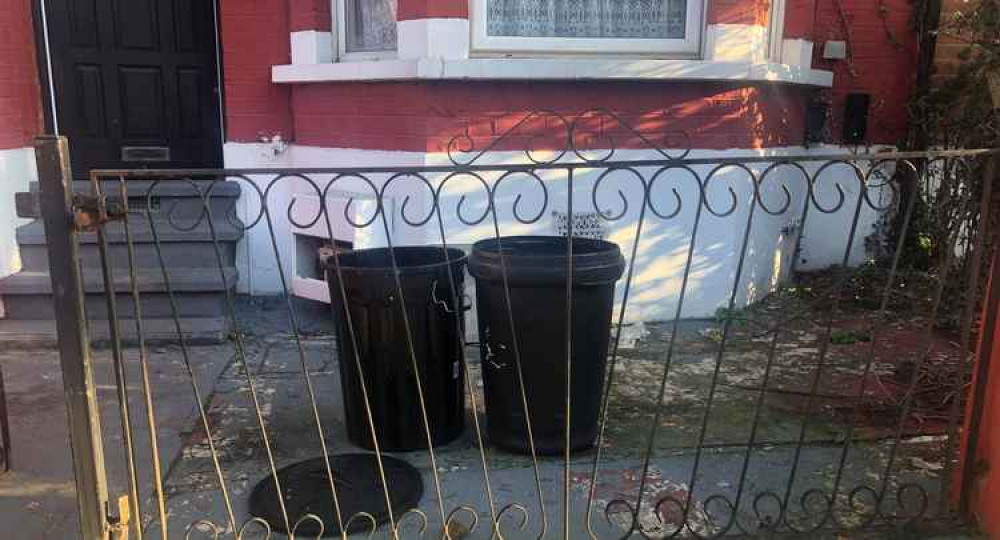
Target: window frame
690,46
339,28
776,31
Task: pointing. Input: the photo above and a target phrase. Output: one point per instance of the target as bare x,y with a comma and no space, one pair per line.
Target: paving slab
39,492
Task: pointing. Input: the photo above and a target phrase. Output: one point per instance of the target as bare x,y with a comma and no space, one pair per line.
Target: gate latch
89,211
92,211
118,526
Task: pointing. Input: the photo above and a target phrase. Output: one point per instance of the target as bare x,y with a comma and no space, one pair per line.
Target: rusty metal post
987,337
55,180
4,429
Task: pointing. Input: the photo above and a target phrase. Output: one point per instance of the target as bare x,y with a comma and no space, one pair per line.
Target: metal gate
824,393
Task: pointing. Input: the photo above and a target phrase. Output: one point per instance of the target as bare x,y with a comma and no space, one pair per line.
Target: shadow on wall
713,115
740,250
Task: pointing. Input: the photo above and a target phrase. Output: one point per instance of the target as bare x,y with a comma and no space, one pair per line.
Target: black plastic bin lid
541,260
409,259
306,490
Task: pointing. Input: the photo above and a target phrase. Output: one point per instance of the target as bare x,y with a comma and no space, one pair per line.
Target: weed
849,337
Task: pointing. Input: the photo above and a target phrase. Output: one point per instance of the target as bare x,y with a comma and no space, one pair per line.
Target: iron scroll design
566,136
668,188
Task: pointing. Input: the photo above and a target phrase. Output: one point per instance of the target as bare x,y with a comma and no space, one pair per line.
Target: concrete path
39,490
37,499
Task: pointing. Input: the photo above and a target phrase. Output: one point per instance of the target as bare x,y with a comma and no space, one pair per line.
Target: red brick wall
20,99
425,116
427,9
255,37
799,18
738,12
309,15
415,115
718,11
883,52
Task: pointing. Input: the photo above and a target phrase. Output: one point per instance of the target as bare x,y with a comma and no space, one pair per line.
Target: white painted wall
663,249
17,171
256,253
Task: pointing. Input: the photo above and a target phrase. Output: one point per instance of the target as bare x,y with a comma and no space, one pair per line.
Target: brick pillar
254,38
20,97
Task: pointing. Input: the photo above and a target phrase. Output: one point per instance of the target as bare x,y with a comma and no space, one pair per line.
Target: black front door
136,82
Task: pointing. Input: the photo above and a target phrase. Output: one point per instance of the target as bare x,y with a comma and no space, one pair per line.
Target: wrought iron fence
836,350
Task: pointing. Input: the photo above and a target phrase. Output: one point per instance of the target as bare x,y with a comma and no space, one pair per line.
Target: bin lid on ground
306,490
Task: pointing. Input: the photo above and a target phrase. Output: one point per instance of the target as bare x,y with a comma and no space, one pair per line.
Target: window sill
549,69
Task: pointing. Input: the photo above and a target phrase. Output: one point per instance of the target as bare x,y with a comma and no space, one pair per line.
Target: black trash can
436,327
536,273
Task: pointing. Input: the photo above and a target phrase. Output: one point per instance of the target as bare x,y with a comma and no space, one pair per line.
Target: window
656,27
369,27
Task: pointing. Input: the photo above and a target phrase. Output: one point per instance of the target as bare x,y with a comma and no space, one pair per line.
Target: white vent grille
585,224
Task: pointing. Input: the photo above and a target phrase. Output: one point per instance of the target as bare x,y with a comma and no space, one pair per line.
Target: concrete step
194,254
198,292
194,247
186,238
176,197
182,279
42,334
38,307
164,188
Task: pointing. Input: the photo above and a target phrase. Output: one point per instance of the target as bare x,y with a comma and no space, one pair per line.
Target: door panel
136,73
142,103
191,31
84,31
137,24
189,80
90,89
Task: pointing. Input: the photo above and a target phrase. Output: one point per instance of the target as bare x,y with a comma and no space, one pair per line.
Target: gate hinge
92,211
118,526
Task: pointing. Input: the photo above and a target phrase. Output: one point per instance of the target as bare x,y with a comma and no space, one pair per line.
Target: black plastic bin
379,329
536,273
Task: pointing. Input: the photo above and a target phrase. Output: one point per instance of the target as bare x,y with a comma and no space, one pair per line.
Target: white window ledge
549,69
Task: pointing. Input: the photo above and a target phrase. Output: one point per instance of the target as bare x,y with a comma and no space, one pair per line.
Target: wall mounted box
835,50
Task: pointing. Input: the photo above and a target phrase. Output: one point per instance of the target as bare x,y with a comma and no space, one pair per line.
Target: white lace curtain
371,25
643,19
